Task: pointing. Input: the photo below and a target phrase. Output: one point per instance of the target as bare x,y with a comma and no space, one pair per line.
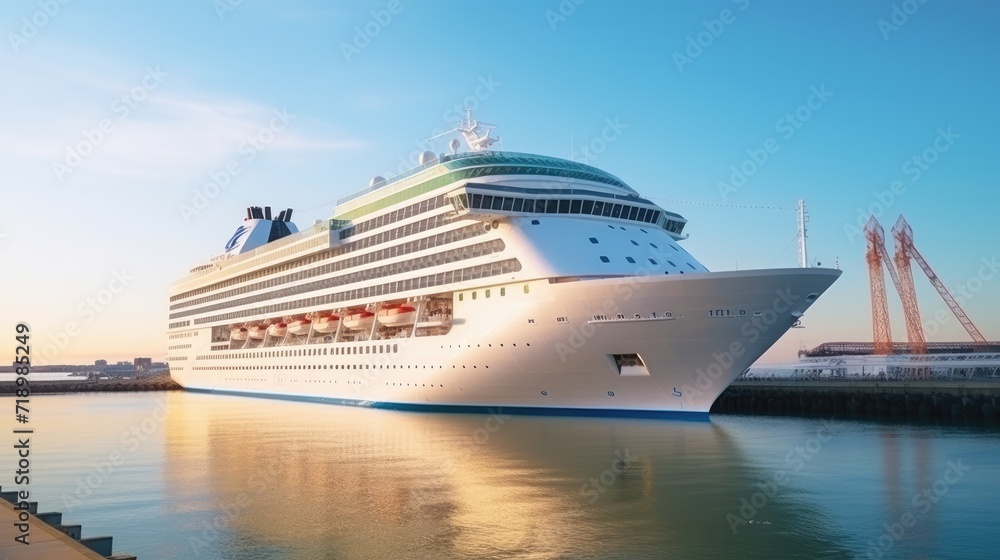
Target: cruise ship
482,280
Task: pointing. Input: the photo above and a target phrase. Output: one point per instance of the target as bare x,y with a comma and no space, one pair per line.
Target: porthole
611,393
593,240
605,259
503,292
545,393
473,295
495,224
487,293
526,288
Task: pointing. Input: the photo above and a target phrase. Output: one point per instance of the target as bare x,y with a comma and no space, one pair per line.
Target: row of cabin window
425,205
385,236
565,206
503,292
421,244
442,278
444,257
336,351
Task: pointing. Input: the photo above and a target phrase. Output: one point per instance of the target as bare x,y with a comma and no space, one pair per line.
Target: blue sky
694,89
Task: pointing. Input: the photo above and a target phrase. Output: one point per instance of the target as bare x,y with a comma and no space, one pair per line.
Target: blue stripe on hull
472,409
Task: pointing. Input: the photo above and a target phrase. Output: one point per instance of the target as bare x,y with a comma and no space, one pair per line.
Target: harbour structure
882,358
477,280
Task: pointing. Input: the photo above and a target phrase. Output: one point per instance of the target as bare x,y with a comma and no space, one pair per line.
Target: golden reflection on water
299,478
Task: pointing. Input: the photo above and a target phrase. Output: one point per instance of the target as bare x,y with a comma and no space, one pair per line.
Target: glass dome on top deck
503,163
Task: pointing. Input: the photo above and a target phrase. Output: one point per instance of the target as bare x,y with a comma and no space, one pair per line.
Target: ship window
642,215
630,259
551,206
529,205
606,212
672,264
508,204
527,288
598,207
477,201
497,202
395,348
487,201
633,242
503,292
616,211
653,245
574,207
611,226
605,259
487,292
652,262
563,206
473,295
656,216
593,240
633,212
518,202
692,266
461,297
588,207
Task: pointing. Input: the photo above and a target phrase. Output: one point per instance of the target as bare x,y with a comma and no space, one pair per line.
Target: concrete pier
47,535
900,400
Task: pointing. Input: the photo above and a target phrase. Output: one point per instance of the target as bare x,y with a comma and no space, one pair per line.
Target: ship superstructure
480,279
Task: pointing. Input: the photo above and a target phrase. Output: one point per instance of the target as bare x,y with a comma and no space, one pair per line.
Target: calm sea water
181,475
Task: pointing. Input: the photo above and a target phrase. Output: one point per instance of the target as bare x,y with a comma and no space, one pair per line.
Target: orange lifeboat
238,334
277,330
256,332
299,326
359,320
397,315
326,324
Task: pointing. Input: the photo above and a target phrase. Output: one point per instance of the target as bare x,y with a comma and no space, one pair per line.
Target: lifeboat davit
299,326
277,330
359,320
326,324
257,332
397,315
238,334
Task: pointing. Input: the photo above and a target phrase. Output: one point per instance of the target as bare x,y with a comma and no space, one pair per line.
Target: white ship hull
495,357
536,284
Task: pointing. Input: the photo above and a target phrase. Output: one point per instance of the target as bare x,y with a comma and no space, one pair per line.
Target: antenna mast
803,220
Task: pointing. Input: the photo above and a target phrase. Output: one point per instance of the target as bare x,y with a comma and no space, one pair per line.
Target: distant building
101,363
142,365
123,369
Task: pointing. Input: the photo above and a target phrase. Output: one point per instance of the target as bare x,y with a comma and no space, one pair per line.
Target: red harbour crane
905,250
